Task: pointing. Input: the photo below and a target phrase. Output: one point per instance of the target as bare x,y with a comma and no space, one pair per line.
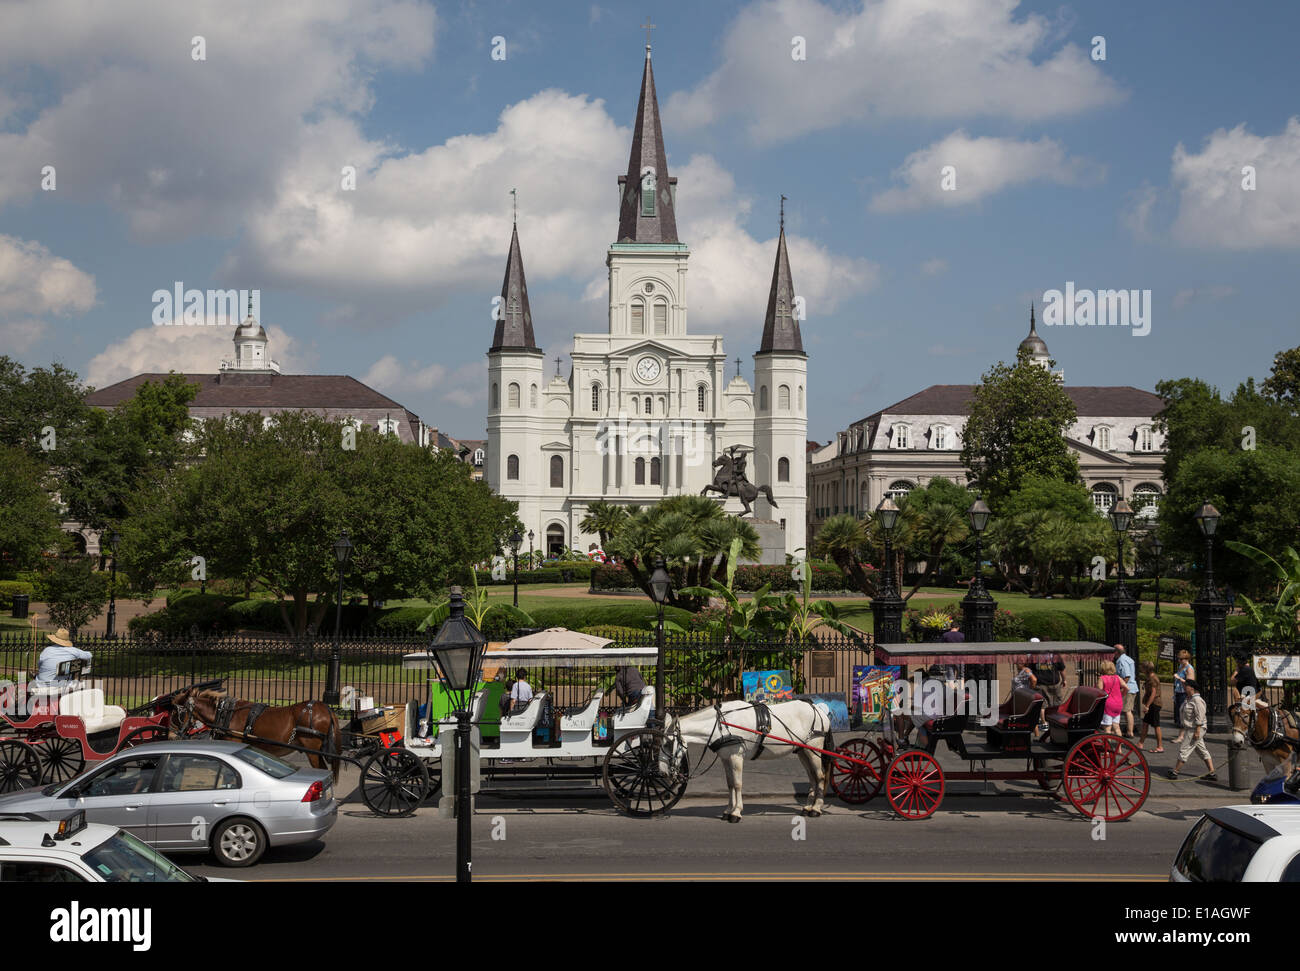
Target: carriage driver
59,650
628,685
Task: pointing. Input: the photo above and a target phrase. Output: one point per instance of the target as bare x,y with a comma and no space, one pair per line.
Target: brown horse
309,724
1272,732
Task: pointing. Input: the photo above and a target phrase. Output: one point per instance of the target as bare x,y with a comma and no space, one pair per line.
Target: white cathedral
647,407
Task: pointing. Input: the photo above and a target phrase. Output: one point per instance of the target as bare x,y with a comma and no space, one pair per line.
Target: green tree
1283,383
75,591
29,521
1016,428
604,519
30,401
1277,622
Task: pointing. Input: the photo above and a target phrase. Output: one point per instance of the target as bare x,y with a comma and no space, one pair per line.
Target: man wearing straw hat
59,650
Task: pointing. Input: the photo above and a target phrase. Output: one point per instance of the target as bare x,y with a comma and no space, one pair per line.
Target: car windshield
123,858
269,764
1214,854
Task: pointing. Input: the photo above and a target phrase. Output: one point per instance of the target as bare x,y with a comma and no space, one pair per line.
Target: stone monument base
771,541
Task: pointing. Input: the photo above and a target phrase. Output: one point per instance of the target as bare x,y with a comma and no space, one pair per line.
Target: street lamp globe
1121,515
531,535
516,540
457,651
1157,547
887,512
661,583
1207,517
113,539
343,548
979,514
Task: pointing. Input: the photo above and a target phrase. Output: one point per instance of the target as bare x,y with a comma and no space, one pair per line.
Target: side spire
780,328
514,328
647,212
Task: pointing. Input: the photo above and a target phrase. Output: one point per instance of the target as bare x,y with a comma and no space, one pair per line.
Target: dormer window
902,437
939,437
1145,439
478,456
1101,437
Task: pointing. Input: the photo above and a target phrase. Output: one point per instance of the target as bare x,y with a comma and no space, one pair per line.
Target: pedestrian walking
1110,683
1049,673
1182,674
1194,723
1126,669
1150,706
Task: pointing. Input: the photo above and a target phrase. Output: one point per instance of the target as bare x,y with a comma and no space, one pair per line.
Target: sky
946,162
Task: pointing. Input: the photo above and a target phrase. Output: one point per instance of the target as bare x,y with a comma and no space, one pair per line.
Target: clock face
647,369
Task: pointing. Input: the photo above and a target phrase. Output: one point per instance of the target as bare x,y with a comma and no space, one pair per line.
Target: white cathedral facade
647,406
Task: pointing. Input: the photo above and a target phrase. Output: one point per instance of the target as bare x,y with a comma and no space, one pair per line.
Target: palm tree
604,519
849,544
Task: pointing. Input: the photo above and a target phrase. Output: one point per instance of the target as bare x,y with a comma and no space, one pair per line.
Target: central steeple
647,211
514,329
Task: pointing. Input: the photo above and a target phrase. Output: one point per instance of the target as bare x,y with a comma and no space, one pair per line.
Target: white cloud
891,59
983,166
462,386
34,283
1215,211
1137,214
193,350
934,267
186,147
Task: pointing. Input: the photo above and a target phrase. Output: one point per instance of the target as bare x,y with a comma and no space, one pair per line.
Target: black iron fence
1284,693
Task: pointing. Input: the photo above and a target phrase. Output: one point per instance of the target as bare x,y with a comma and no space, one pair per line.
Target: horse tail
767,491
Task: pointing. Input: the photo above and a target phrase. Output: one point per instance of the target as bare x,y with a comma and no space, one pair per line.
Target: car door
119,794
194,792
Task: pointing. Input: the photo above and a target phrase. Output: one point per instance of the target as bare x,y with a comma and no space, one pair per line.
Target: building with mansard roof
918,439
647,406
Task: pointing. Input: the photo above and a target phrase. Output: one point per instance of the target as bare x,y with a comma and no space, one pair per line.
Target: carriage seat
524,721
88,705
1018,716
581,718
1079,716
638,715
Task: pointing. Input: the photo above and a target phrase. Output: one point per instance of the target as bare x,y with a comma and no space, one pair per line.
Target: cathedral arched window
783,397
801,398
783,470
649,404
636,405
595,398
557,472
654,471
512,467
532,397
640,471
512,395
701,397
762,398
496,395
638,317
661,317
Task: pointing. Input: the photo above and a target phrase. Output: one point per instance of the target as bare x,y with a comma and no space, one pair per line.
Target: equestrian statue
730,479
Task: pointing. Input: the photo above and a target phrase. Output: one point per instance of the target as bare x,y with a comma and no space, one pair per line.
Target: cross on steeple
783,308
557,365
512,310
737,367
514,208
782,213
647,27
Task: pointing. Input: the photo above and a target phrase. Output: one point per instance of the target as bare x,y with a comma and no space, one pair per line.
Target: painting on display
835,705
873,691
768,687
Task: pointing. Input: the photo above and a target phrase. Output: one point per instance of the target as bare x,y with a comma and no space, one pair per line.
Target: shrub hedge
581,572
10,588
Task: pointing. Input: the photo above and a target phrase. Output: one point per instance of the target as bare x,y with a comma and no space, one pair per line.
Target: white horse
799,721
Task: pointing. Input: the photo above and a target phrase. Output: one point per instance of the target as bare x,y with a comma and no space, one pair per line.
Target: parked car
195,795
75,851
1241,844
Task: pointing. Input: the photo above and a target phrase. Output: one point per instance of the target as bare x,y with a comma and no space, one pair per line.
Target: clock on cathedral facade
647,406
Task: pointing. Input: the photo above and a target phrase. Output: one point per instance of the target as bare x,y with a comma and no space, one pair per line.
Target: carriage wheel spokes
61,760
20,768
637,777
394,782
914,785
853,782
1106,776
145,733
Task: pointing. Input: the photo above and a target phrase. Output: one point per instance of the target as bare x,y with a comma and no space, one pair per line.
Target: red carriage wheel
1106,776
143,734
61,760
853,782
914,785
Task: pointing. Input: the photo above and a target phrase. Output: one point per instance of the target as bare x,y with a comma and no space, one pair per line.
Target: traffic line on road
868,876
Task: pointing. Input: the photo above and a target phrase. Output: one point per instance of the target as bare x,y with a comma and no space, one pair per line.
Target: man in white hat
60,650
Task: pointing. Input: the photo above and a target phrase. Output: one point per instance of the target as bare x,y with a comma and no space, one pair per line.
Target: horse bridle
1276,736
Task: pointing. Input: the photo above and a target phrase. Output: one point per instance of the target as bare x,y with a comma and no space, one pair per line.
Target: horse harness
762,728
226,708
1276,731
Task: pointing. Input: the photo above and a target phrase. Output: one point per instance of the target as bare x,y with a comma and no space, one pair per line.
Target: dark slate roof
780,329
515,328
647,152
249,392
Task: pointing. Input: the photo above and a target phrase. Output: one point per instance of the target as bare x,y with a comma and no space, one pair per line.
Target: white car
1241,844
74,851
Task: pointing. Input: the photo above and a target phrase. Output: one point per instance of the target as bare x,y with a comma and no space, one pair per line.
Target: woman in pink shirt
1111,683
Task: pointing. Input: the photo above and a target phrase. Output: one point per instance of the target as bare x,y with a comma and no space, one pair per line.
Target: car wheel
238,842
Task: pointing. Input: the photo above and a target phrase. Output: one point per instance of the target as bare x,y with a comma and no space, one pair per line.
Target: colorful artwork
873,691
767,686
835,705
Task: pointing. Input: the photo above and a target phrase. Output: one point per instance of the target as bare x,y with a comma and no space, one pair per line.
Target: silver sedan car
193,796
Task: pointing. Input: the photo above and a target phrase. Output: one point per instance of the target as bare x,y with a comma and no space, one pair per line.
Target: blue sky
225,172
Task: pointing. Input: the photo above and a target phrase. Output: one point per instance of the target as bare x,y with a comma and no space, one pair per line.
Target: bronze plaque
823,664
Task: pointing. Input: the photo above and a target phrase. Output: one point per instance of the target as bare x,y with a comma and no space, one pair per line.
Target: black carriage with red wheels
1101,775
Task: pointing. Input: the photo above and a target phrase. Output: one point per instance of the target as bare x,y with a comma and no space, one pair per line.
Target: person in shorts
1050,673
1110,683
1127,671
1150,706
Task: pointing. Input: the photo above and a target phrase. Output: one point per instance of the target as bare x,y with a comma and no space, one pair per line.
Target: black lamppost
530,549
1120,607
977,606
1210,611
110,626
457,652
661,584
342,554
515,542
1157,548
887,607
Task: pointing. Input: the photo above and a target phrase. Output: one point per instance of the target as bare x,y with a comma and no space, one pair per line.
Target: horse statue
730,480
1272,732
308,724
738,730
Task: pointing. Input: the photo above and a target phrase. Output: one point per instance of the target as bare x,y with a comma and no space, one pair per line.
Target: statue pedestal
771,540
